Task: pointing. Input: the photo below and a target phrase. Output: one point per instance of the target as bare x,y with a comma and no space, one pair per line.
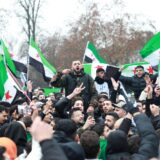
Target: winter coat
70,147
137,83
71,81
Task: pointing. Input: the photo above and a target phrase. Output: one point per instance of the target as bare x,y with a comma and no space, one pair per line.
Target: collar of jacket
99,80
81,73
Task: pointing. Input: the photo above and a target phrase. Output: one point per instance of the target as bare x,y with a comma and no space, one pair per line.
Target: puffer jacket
137,83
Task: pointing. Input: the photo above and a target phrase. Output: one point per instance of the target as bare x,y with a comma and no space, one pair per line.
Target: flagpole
28,71
85,52
18,84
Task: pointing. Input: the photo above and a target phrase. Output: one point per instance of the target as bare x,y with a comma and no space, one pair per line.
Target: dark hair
76,99
12,109
74,110
139,67
100,70
2,108
67,126
98,128
90,143
113,114
27,121
2,151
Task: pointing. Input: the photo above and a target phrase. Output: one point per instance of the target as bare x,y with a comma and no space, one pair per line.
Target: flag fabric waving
151,51
8,60
39,62
8,87
90,68
91,55
129,69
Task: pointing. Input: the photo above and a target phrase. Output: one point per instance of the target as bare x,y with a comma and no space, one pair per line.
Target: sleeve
61,105
93,90
149,140
126,80
60,80
148,111
125,125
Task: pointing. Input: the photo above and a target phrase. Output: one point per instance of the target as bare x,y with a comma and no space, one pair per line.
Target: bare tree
29,14
4,17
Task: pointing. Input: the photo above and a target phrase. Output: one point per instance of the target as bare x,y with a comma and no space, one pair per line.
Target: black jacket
51,150
137,83
70,147
71,81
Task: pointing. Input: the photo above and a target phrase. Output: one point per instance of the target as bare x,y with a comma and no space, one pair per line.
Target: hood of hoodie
117,142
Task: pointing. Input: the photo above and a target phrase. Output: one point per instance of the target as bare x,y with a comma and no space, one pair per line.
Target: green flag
38,61
151,51
91,55
7,57
7,85
129,69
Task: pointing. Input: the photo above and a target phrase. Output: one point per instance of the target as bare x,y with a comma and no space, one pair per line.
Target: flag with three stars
8,87
129,69
39,62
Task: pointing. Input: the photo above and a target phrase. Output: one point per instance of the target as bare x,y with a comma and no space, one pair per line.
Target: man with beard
70,79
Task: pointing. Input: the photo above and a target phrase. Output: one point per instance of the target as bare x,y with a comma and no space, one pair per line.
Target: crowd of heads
82,131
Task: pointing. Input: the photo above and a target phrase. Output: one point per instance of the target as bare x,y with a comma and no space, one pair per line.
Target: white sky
57,13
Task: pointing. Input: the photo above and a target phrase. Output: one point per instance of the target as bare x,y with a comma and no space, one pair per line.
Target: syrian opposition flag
21,69
129,69
39,62
151,51
90,68
8,88
91,55
7,58
17,68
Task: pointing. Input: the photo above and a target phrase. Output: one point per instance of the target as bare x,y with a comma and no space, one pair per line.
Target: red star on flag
7,95
150,70
98,67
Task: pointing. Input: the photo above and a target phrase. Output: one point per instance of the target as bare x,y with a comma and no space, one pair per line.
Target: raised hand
114,83
79,89
147,79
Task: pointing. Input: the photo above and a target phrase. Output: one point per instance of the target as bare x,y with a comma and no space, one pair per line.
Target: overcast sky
57,13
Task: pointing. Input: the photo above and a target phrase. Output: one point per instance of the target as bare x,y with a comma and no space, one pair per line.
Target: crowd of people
91,119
